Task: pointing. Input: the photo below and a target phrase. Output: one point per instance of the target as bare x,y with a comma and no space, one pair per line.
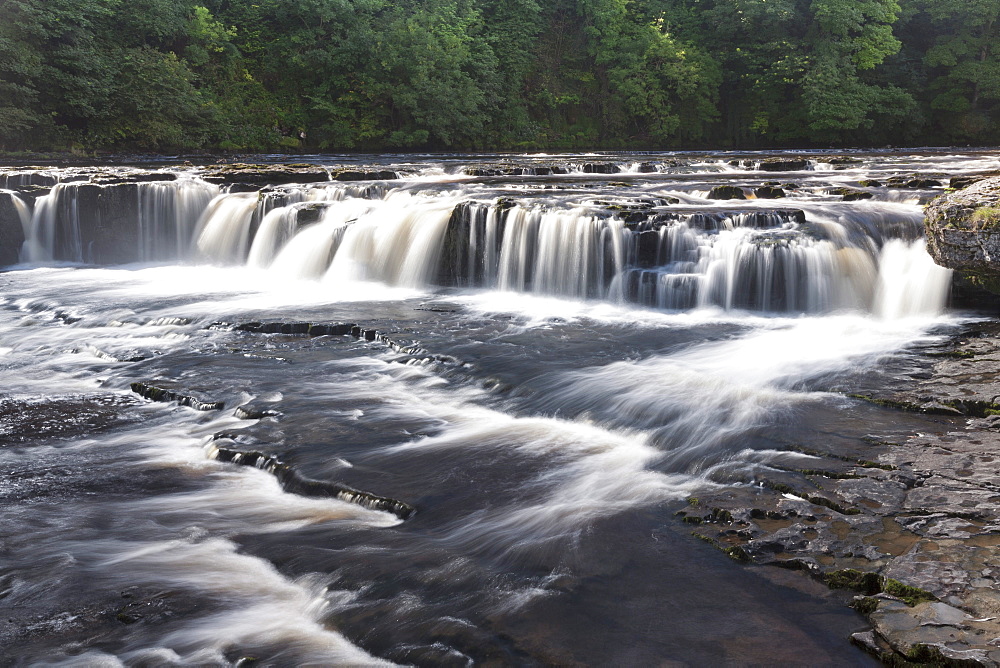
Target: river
537,370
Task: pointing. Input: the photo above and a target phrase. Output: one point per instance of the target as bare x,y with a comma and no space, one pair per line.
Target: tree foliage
303,75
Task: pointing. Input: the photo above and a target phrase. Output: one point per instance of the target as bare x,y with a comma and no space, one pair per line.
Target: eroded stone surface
920,525
963,227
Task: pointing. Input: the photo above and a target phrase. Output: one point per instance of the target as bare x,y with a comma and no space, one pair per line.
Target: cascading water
543,366
168,213
817,259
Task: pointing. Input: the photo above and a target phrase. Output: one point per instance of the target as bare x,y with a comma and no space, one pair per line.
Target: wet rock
922,550
107,215
357,175
726,192
601,168
154,393
913,181
31,421
963,232
870,183
783,165
768,192
266,174
966,180
11,230
648,249
255,411
841,160
851,195
292,481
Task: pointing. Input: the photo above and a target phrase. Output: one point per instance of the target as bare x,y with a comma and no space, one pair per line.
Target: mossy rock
726,192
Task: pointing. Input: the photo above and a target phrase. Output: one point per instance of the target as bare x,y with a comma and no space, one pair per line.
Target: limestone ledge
913,530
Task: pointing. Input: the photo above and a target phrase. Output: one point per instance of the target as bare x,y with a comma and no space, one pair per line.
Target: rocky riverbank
912,526
911,522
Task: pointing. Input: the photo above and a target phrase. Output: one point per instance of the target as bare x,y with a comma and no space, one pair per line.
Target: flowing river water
539,367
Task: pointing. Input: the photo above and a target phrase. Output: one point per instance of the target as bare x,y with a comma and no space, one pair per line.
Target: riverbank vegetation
332,75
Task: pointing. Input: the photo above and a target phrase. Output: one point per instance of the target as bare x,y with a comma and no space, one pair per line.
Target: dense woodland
332,75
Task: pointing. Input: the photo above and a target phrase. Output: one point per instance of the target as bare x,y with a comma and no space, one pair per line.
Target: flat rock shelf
685,408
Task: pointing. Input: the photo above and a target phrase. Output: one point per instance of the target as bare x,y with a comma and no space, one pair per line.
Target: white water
617,407
761,262
168,214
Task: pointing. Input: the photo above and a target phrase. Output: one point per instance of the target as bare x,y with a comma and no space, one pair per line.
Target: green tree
964,76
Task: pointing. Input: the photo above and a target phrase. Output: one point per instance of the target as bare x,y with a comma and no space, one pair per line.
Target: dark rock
154,393
601,168
254,411
292,481
339,329
852,195
108,215
841,160
266,174
966,180
648,249
783,165
726,192
11,230
963,231
647,168
913,181
870,183
768,192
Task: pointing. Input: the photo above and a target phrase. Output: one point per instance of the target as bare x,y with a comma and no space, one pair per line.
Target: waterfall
23,213
567,253
397,241
909,283
168,213
817,259
54,230
223,233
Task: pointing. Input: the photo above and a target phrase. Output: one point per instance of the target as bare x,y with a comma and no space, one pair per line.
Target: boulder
726,192
768,192
963,230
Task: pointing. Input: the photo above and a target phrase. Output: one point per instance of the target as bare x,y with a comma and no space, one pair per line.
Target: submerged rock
154,393
294,482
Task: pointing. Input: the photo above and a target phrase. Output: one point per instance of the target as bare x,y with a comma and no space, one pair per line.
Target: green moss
870,584
910,595
707,539
986,216
889,403
693,501
866,605
737,553
955,354
720,515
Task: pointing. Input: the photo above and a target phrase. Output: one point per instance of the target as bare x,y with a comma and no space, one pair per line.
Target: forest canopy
368,75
